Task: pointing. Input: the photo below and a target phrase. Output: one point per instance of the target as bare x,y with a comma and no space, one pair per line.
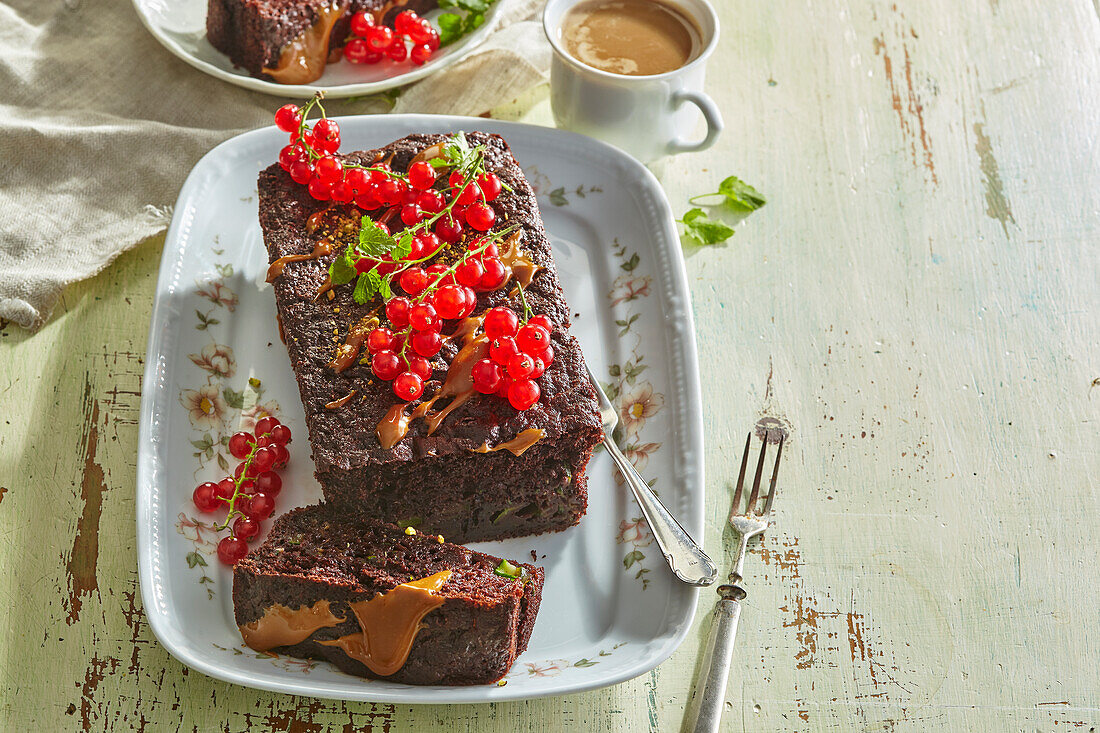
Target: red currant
248,486
447,228
523,393
520,366
428,243
547,355
418,33
288,156
386,365
471,301
532,339
456,180
265,425
245,528
413,280
368,200
470,193
205,497
288,118
282,455
231,550
431,200
397,310
470,272
426,343
361,23
422,317
433,40
357,50
301,171
405,22
421,175
420,53
269,483
397,50
489,184
390,191
502,349
379,37
240,444
542,320
486,376
380,172
328,169
495,274
378,339
341,192
281,434
225,489
357,179
501,321
480,216
320,190
411,214
408,386
326,134
449,301
260,506
262,460
540,367
505,385
420,366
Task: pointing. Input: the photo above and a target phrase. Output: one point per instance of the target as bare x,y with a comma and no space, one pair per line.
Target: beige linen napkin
99,126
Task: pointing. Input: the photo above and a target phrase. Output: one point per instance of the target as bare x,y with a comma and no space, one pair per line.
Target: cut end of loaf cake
317,570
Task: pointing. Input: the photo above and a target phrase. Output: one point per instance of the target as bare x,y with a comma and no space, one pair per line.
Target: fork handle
712,695
688,561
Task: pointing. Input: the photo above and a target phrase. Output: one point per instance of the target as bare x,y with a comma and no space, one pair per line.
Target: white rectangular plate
611,610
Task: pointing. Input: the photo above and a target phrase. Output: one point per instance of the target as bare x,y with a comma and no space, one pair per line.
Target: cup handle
711,114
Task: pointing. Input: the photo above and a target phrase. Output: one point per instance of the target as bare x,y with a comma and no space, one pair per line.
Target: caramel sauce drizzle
349,350
337,404
459,384
282,626
428,153
390,622
517,445
322,248
303,59
516,262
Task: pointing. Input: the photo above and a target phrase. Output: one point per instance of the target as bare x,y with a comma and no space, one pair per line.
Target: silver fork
688,561
749,524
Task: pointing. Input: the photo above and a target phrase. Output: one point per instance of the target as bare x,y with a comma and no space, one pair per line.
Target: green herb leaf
740,194
342,269
508,570
367,286
374,242
703,230
450,28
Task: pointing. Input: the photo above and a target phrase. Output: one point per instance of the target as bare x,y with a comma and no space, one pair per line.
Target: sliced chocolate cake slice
450,459
378,601
290,41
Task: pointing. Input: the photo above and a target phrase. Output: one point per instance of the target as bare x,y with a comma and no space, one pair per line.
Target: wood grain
920,300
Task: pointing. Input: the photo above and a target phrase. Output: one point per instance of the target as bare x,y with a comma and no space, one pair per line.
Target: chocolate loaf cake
473,469
290,41
379,602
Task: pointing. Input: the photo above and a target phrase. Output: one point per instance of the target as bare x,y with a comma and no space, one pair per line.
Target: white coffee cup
646,116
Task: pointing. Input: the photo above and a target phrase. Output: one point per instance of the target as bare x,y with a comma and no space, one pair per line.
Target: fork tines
754,495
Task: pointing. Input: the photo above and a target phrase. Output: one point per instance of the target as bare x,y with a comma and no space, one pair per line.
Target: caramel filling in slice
303,59
282,626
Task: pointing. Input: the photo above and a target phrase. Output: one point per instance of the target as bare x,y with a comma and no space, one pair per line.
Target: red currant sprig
412,37
518,355
249,494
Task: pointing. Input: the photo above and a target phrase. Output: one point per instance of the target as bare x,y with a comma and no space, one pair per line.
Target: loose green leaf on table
703,230
734,193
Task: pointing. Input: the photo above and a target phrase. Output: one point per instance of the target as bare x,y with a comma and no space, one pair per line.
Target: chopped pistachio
508,570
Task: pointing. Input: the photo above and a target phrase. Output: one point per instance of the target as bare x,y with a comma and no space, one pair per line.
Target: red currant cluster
249,494
412,37
518,355
435,294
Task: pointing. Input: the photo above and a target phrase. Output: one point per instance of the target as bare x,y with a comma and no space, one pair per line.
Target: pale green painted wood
923,288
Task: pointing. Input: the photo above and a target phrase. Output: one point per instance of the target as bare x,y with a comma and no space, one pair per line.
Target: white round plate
180,25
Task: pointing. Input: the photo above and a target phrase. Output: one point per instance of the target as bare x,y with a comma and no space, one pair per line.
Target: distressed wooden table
919,298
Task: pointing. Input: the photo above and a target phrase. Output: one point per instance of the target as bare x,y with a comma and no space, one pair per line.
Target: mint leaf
740,194
373,240
366,287
403,247
703,230
450,28
342,269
